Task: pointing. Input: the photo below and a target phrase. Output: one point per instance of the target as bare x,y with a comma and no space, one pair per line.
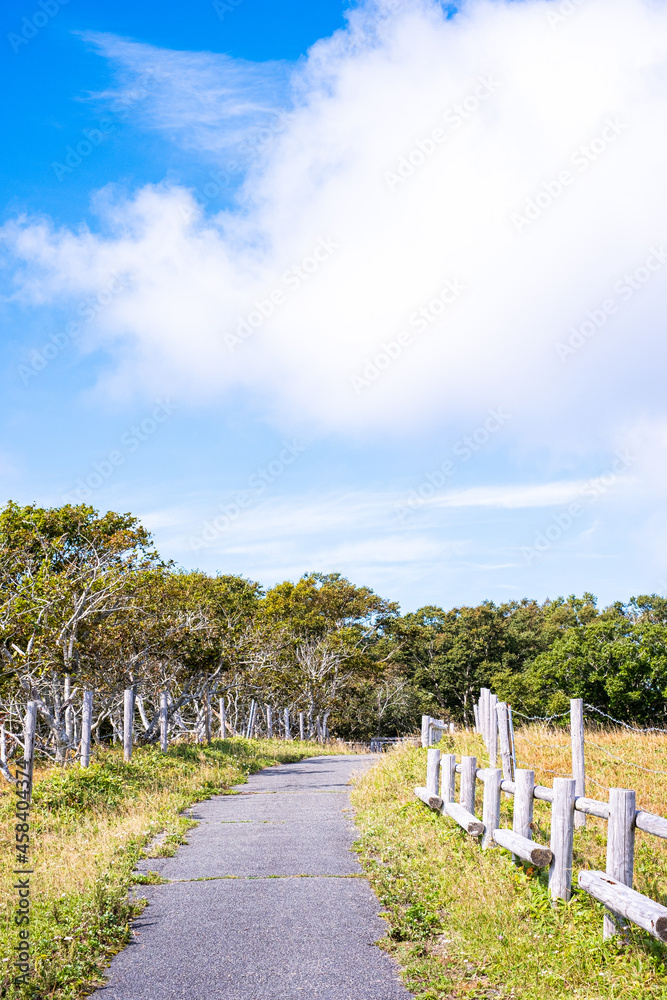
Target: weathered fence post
448,777
562,837
524,783
493,731
491,809
578,761
251,720
504,733
207,716
287,732
69,714
301,735
3,745
452,727
86,727
164,721
269,721
128,721
426,730
620,848
475,712
29,731
223,719
510,722
484,715
433,771
468,780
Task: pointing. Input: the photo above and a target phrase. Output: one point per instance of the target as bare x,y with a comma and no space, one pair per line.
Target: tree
64,571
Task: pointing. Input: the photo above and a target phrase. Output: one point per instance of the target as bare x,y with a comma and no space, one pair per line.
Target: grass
89,828
470,924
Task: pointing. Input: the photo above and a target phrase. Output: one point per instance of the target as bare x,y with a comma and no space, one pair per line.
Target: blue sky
378,291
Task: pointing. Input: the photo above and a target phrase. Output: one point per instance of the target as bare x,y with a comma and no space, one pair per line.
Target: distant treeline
86,601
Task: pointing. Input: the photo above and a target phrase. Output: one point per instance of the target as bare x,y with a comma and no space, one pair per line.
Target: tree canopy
86,601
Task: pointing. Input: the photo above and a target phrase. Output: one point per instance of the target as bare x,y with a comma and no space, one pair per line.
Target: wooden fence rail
569,808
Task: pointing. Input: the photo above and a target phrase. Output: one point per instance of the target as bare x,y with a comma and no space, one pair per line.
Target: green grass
467,923
89,829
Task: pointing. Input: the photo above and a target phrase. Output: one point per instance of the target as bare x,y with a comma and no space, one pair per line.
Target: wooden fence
273,726
569,808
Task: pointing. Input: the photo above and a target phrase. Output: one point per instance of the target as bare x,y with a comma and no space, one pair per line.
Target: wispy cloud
206,101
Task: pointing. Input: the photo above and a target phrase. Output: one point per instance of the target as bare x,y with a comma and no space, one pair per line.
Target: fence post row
504,734
29,731
493,731
524,785
86,727
448,777
562,838
251,720
468,783
491,807
569,806
207,716
578,764
433,771
620,848
164,721
69,714
128,720
484,715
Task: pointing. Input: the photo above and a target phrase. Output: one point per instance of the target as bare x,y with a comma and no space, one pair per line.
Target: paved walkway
265,902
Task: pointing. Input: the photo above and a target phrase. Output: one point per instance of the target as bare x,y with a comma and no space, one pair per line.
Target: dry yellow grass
467,923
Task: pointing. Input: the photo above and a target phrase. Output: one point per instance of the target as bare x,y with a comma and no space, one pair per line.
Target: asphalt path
267,901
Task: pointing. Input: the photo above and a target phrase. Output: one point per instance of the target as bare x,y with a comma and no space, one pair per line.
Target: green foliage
86,595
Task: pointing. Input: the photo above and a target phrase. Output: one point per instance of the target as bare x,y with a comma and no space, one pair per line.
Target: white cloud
541,495
361,102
